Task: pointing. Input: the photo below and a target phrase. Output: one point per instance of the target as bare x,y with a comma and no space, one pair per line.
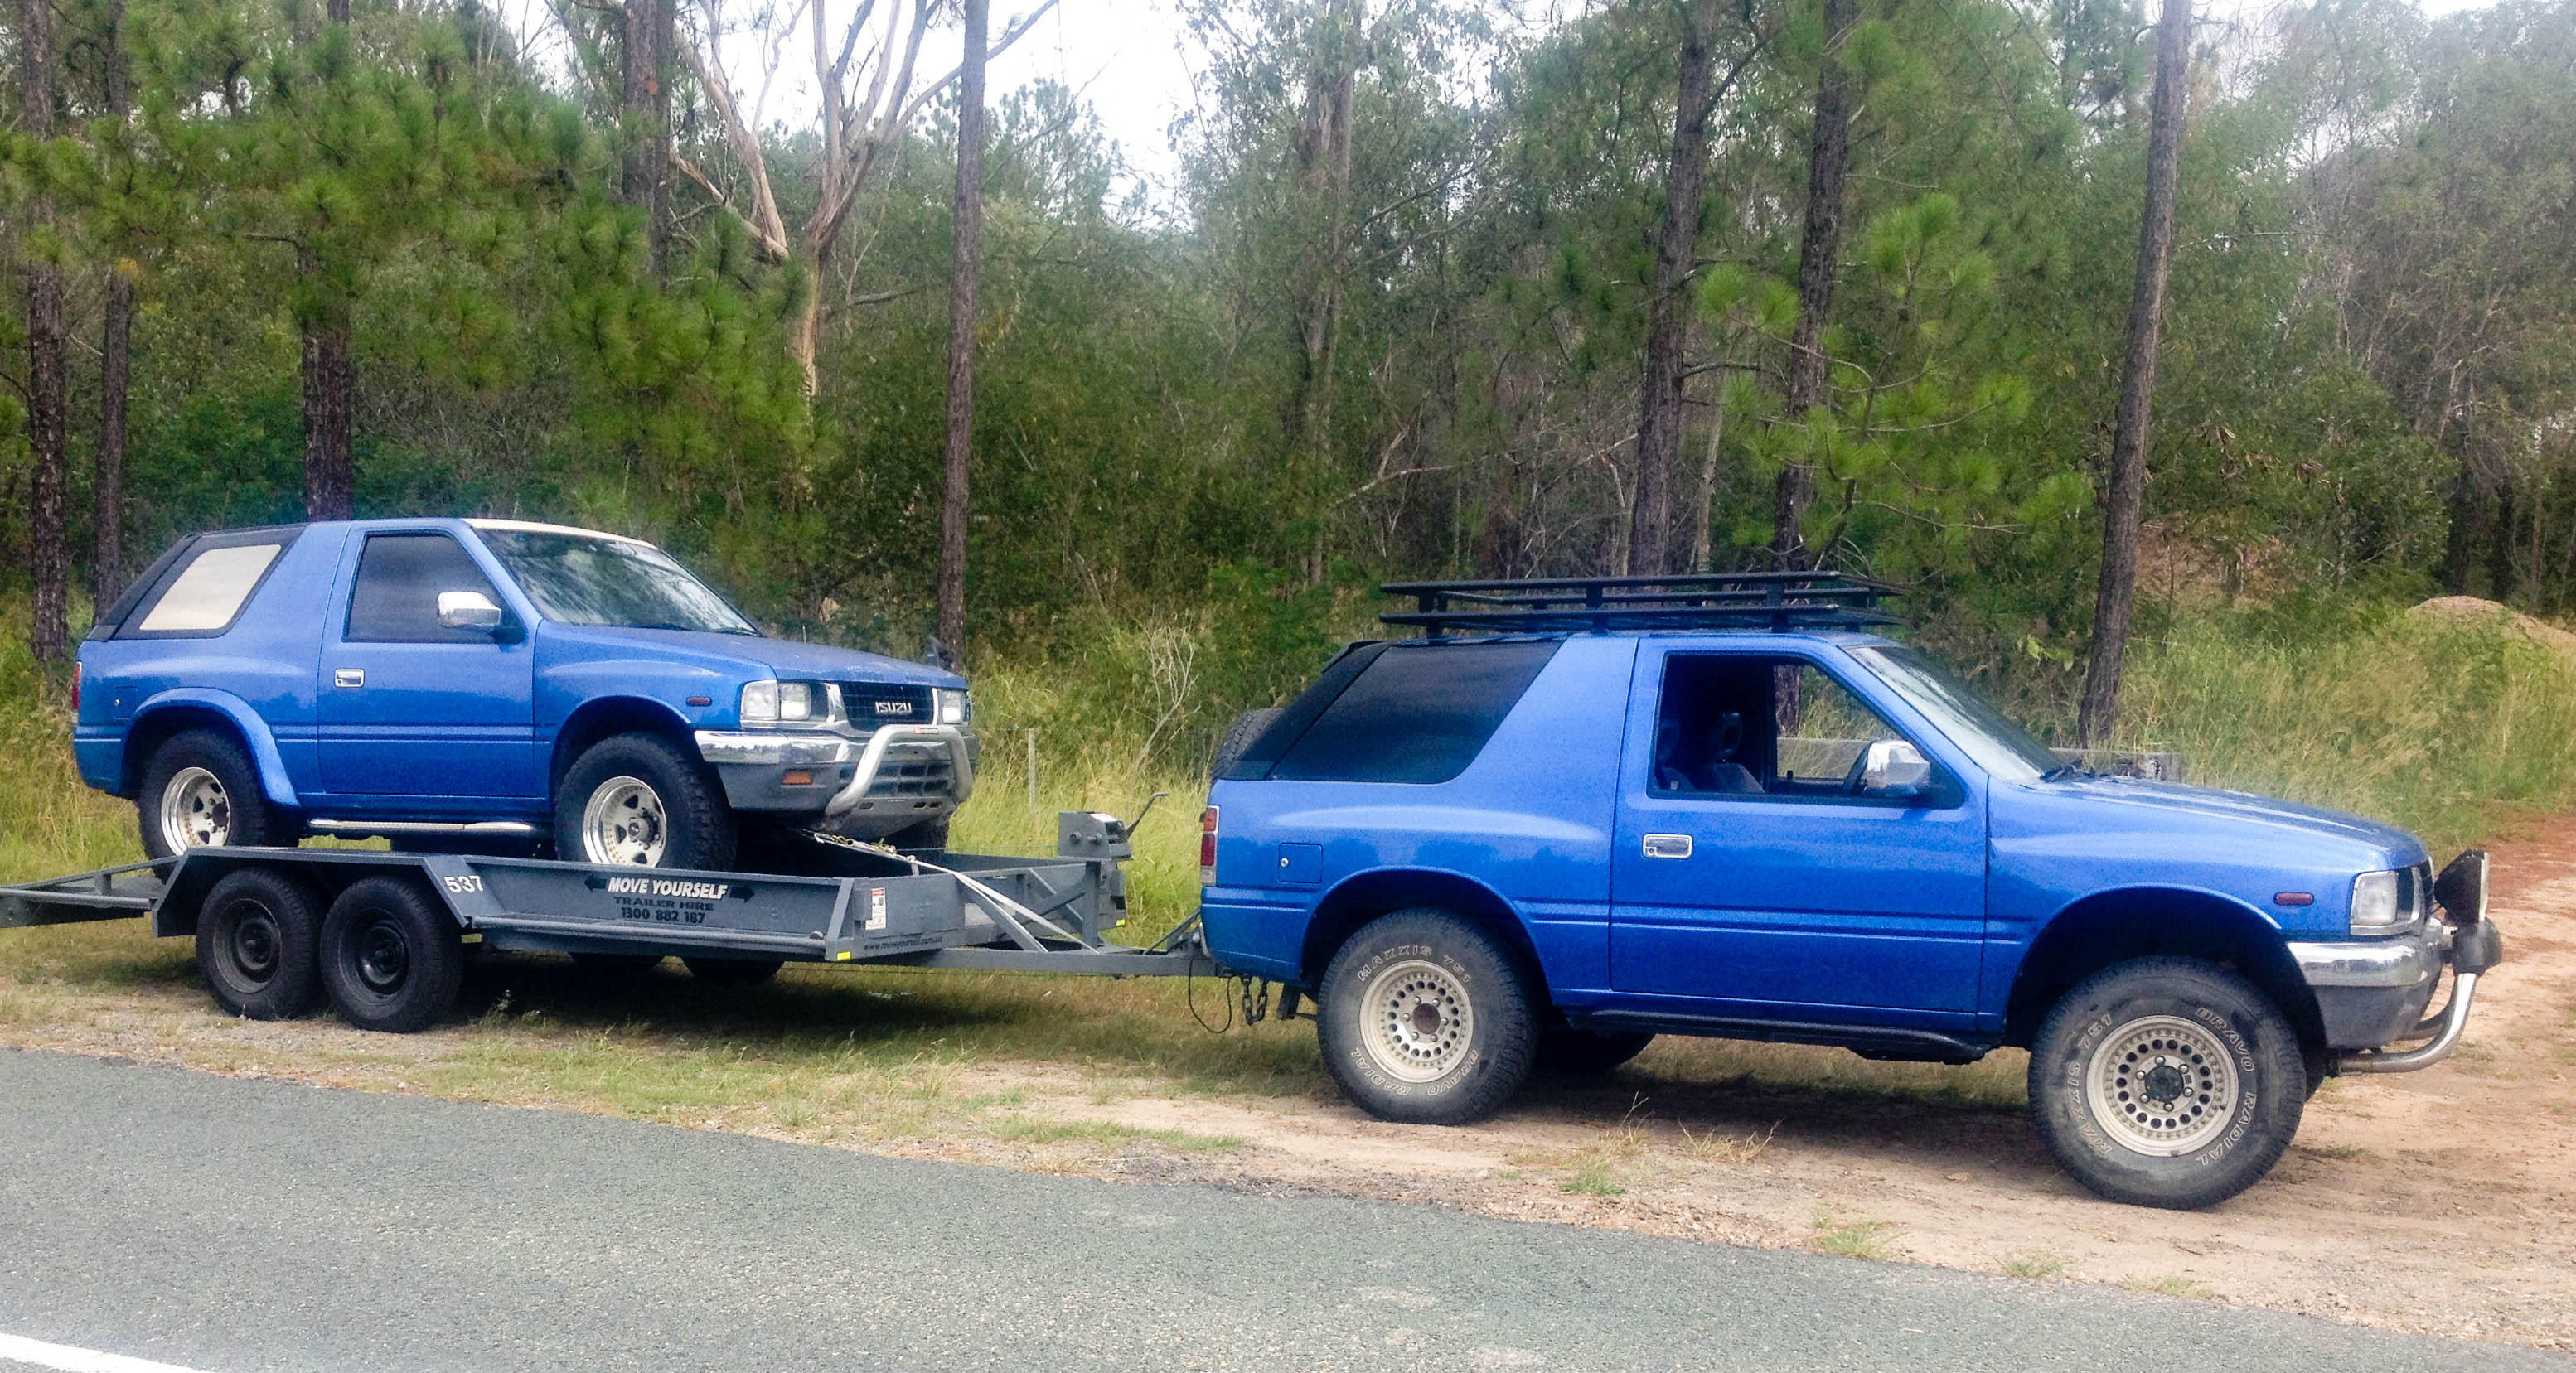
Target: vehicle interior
1750,725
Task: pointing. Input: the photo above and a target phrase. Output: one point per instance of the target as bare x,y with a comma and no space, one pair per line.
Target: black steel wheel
391,957
257,933
733,972
1424,1019
2167,1082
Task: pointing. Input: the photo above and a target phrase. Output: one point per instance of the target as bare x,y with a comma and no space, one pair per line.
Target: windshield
2005,750
579,580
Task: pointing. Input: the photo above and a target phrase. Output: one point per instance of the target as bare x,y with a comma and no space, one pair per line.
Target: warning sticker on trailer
876,908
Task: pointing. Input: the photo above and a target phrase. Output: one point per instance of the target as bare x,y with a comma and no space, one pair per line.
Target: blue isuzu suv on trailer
1578,814
487,685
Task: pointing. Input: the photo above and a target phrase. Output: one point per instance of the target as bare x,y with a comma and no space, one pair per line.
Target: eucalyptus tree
864,68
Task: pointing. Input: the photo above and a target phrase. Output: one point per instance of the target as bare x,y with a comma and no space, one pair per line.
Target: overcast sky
1129,58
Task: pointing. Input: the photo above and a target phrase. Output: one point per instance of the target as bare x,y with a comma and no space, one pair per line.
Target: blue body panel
1909,916
435,731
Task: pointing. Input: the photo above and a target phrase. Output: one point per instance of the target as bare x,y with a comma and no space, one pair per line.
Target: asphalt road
231,1226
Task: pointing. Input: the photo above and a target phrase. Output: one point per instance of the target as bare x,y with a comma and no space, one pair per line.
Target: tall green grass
2446,728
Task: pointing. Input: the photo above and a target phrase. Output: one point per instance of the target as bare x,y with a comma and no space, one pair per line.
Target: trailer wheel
1424,1020
1572,1051
256,937
391,957
200,792
640,799
2167,1082
733,972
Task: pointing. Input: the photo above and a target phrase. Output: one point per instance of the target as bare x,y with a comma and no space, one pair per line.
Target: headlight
2381,903
785,703
954,708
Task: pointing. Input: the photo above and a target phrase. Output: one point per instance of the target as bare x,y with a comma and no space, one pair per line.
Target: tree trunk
1668,310
115,368
953,505
48,560
116,348
330,390
330,381
1819,261
644,177
2125,502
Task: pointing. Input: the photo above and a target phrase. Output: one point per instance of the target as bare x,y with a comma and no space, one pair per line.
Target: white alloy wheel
624,822
196,811
1419,1021
2161,1085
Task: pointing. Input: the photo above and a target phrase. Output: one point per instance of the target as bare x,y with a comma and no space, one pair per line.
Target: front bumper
2374,993
914,772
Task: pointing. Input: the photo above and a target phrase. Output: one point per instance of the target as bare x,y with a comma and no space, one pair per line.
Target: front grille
870,704
915,770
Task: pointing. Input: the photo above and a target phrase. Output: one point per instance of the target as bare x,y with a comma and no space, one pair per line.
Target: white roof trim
537,527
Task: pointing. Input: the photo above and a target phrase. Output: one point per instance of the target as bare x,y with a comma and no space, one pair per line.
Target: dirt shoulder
2441,1202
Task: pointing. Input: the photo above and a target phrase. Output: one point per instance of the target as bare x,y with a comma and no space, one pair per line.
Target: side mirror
1895,770
467,610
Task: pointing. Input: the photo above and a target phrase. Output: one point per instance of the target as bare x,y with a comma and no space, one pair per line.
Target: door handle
1668,846
348,676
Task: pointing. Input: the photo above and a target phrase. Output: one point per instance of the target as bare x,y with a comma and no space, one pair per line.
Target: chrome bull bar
872,759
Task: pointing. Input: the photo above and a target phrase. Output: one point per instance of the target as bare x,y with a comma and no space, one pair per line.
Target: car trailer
382,934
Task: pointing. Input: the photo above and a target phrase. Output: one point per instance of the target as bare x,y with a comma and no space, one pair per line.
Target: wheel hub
2162,1085
253,942
625,822
384,957
1420,1021
196,811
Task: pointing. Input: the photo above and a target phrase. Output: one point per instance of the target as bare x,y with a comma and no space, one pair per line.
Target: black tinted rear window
1415,714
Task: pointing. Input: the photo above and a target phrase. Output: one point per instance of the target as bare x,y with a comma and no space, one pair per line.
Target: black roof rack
1776,601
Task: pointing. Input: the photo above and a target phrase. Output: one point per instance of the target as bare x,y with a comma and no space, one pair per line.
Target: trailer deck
862,904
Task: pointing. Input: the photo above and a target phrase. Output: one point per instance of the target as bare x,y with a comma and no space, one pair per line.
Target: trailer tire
1238,738
1573,1051
257,935
733,972
641,799
2167,1082
391,956
1424,1020
200,789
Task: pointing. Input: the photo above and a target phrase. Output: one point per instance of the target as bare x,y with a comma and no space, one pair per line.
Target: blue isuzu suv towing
472,685
1578,814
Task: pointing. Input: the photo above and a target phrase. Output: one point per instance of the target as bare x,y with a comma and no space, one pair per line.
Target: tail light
76,685
1207,847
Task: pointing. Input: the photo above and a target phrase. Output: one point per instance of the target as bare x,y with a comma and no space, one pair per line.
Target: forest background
1392,316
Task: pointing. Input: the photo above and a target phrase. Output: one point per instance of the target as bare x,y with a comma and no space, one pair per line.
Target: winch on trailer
382,934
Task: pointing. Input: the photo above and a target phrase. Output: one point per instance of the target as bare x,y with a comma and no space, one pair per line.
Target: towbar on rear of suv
2373,993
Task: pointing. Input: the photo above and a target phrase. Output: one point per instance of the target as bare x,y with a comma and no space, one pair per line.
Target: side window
395,600
1417,715
1742,725
210,591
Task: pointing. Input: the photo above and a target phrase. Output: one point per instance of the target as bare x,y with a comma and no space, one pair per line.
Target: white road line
73,1360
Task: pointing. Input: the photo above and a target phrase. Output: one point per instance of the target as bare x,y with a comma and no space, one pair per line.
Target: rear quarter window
208,592
1414,714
